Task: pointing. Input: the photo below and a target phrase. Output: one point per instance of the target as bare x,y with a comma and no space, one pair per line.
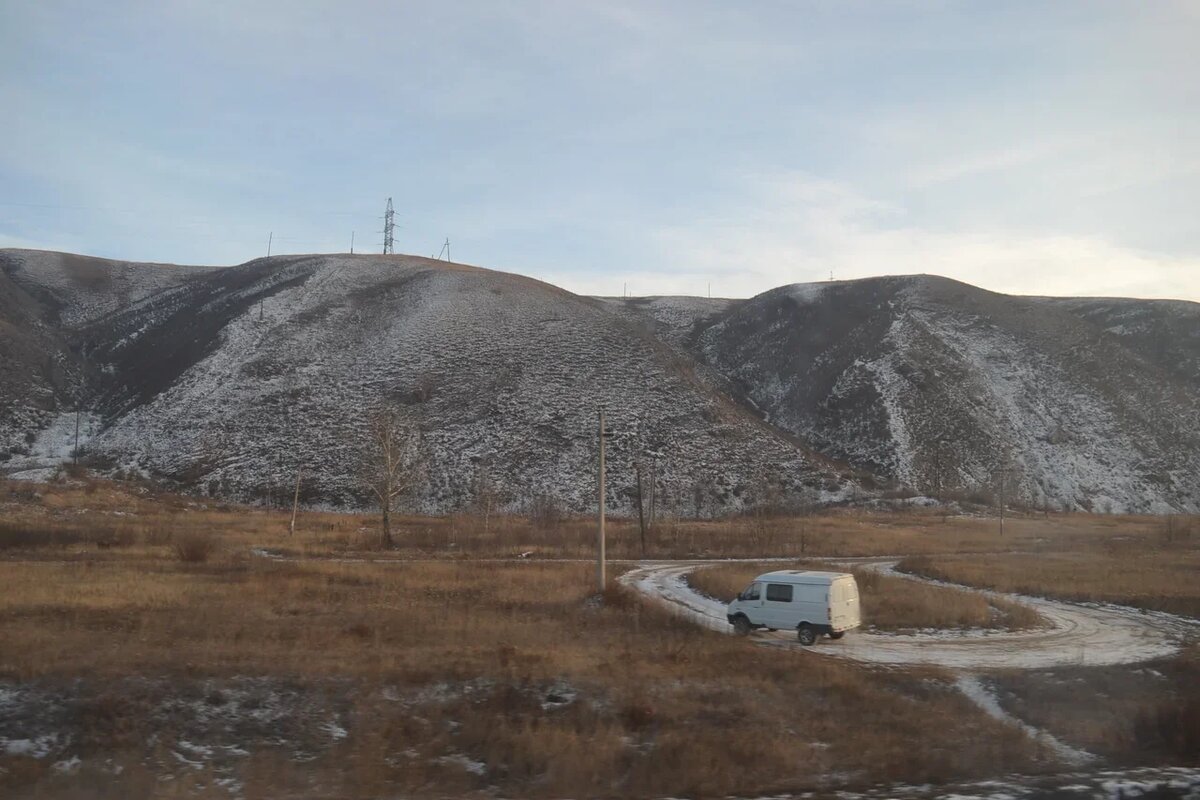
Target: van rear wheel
835,635
742,626
807,635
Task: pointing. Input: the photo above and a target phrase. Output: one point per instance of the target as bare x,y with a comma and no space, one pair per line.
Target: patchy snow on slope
943,387
807,292
503,374
88,288
673,318
55,443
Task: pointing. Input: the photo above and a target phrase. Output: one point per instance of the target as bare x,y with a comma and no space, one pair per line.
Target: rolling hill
229,381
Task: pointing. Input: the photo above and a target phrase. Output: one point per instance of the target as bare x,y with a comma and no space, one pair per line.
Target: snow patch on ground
978,693
1077,635
464,763
37,747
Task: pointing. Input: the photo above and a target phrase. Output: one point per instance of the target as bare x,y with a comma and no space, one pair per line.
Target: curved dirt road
1078,634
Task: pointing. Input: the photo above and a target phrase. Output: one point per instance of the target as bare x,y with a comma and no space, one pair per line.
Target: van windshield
749,593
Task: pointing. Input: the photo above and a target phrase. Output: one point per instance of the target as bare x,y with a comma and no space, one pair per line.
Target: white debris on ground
37,747
464,763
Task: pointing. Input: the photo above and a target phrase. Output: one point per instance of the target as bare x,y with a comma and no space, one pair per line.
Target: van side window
749,593
779,592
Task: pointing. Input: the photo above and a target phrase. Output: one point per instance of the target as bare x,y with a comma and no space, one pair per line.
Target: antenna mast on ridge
389,227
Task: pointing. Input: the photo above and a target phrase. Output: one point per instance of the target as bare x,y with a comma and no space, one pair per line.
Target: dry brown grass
1143,574
888,603
669,709
140,515
93,590
1133,714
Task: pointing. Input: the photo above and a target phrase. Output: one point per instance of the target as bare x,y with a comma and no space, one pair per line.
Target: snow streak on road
1080,635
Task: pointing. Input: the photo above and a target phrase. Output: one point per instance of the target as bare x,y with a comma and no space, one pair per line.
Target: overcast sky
1034,148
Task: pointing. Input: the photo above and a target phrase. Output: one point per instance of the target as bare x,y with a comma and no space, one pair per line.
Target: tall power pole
389,228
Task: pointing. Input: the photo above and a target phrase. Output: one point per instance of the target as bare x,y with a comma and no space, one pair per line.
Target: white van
808,602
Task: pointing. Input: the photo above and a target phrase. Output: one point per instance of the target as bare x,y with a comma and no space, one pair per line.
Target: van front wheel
742,626
807,635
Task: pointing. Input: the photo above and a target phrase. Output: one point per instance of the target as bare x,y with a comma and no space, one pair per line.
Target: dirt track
1078,634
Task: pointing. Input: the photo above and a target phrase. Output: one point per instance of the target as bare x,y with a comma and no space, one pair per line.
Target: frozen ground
202,737
1078,635
1151,782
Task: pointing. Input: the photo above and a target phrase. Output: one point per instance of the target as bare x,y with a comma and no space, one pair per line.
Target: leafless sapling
391,461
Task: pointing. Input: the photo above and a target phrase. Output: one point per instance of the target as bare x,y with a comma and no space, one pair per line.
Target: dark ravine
228,380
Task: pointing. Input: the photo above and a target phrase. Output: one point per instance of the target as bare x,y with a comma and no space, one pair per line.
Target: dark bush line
25,536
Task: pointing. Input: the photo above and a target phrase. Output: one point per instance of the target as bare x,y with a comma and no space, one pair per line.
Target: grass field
1154,575
657,706
174,658
1136,714
102,514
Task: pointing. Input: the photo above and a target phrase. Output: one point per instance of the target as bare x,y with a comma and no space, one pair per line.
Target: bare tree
637,470
486,493
391,461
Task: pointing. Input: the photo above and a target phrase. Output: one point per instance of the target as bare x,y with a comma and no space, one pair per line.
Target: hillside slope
236,380
942,385
73,290
232,380
39,376
44,298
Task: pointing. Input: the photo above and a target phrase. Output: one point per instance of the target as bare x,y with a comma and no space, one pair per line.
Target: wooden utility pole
76,455
600,554
295,505
1002,477
1004,471
653,483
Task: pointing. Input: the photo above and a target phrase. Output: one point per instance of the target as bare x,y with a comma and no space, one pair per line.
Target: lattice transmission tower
389,228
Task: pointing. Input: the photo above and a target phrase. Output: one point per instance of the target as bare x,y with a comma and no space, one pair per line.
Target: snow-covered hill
942,386
74,290
231,380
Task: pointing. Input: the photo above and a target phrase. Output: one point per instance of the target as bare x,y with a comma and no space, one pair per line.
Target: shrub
1172,728
544,512
194,547
20,536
